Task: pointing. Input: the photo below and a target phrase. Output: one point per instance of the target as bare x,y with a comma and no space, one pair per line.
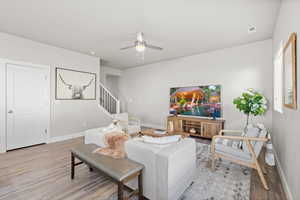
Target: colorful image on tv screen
202,101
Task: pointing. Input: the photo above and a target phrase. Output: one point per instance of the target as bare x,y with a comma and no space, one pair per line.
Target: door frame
3,98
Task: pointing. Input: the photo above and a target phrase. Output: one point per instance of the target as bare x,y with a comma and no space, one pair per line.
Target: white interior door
27,106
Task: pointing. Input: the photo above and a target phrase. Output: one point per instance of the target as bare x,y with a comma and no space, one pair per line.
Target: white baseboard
149,125
65,137
282,177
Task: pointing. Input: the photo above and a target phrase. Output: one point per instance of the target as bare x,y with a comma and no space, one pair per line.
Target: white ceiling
181,27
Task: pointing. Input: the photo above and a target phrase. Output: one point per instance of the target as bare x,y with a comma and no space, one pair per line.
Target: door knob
10,111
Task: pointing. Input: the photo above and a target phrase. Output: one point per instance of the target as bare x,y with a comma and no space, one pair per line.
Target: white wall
108,71
146,88
286,137
112,83
69,116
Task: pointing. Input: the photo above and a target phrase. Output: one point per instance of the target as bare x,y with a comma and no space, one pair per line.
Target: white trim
107,90
149,125
65,137
4,62
282,176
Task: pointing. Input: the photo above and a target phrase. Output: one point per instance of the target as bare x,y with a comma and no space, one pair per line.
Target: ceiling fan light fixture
140,47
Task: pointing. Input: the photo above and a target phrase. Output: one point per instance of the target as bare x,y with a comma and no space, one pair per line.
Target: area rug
229,182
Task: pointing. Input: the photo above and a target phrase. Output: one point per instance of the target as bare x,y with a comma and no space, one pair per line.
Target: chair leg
257,166
120,190
261,160
213,156
72,166
263,167
140,184
261,176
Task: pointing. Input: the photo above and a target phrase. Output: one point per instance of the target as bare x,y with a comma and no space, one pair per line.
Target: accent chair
243,149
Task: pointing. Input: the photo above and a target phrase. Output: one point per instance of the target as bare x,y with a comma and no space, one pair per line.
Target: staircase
108,101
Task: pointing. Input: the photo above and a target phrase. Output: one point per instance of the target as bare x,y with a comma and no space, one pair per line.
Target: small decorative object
192,130
251,103
75,85
290,73
212,112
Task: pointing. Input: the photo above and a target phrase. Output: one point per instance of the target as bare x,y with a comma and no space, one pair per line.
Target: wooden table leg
72,166
141,197
120,190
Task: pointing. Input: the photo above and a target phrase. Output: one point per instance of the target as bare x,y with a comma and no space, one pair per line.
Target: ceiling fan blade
153,47
124,48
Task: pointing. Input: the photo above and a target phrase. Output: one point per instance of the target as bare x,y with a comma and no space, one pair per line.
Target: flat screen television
202,101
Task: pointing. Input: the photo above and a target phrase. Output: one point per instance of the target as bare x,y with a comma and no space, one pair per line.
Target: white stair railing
108,101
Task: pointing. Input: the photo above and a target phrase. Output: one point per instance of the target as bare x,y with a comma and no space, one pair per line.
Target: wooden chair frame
254,164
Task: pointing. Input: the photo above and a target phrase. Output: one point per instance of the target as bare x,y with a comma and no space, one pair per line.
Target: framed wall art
74,85
290,73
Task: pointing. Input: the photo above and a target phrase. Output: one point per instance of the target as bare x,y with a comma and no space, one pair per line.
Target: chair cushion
235,153
228,142
231,148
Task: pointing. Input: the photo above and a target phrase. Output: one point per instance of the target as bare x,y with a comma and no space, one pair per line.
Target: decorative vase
192,130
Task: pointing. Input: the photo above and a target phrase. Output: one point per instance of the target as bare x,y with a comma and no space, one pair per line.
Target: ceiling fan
140,44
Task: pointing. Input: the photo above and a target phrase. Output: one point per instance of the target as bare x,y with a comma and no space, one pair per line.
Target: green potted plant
251,103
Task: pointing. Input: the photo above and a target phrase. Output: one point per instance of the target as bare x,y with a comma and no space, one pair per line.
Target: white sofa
169,169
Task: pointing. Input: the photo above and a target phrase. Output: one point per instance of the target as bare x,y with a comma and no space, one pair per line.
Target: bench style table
120,170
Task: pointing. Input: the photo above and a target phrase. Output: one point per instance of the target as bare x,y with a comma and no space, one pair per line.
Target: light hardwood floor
43,173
